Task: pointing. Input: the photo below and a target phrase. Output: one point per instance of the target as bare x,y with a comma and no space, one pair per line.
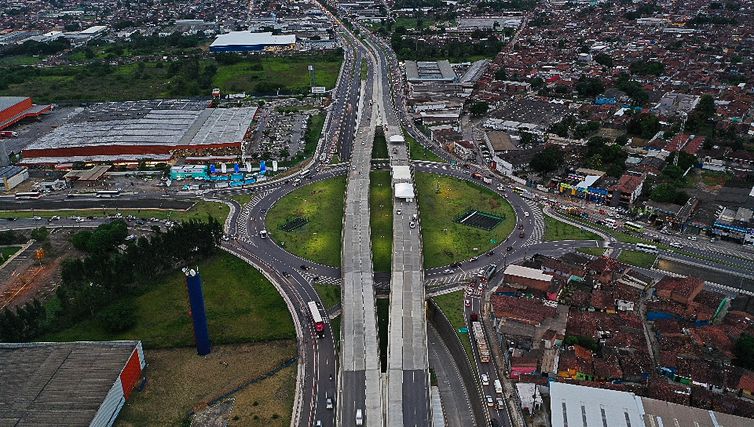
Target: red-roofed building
682,290
13,109
693,146
746,383
628,188
677,143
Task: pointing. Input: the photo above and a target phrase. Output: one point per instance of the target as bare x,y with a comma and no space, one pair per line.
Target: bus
108,193
609,222
28,195
632,226
303,174
650,249
481,342
316,318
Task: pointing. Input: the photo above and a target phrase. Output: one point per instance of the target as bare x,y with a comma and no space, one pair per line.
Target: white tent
404,190
402,173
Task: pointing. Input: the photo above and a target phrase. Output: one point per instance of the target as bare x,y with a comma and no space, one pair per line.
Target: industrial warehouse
13,109
245,41
141,130
76,383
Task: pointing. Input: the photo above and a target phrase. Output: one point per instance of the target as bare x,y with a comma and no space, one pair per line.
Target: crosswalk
323,280
245,214
539,224
462,277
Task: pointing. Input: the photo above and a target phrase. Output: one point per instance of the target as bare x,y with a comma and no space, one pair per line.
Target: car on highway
676,245
359,418
263,234
692,238
490,402
500,404
509,248
522,234
485,379
447,271
490,253
472,259
412,224
526,214
398,212
520,226
467,303
328,403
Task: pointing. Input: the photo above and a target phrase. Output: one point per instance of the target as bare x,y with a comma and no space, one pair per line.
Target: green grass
20,60
7,252
556,230
452,305
446,241
200,210
383,316
242,199
592,251
322,204
364,69
242,306
419,152
381,219
329,294
379,148
637,258
254,76
288,72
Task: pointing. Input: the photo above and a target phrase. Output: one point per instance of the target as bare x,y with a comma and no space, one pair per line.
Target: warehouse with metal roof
245,41
70,383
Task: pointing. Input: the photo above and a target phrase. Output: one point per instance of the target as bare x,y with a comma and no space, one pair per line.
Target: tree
478,109
743,352
647,68
40,234
501,75
549,160
589,87
118,317
604,59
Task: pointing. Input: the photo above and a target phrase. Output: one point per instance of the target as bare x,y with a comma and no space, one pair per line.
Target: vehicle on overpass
316,318
108,193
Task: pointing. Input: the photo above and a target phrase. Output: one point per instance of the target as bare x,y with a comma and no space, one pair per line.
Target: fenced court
479,219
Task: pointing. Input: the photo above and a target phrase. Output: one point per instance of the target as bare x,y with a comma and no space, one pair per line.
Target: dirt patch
179,382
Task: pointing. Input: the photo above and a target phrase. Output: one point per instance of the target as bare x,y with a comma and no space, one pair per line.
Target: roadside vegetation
329,294
441,201
592,251
556,230
381,219
451,305
320,204
379,148
418,152
637,258
199,211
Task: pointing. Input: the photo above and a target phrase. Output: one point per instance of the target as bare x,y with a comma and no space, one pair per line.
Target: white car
412,224
328,403
676,245
526,214
485,379
398,212
490,402
692,238
500,404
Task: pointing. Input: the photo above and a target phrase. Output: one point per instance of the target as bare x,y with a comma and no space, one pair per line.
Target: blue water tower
198,311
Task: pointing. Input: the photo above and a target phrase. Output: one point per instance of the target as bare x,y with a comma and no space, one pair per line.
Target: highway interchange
355,378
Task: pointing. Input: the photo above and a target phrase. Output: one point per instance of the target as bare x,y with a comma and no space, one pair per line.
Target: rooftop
58,383
526,272
422,71
9,101
246,38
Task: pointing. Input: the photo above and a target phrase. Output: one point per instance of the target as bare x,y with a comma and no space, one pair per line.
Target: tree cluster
32,47
95,281
22,324
103,239
11,237
647,68
589,87
743,352
632,88
644,125
549,160
600,156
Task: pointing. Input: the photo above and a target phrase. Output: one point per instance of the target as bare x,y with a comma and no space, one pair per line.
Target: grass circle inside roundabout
442,200
320,206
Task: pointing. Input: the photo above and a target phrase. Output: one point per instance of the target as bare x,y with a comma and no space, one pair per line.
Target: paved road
455,398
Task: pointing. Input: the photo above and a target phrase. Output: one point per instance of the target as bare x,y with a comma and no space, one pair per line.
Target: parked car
490,402
522,234
485,379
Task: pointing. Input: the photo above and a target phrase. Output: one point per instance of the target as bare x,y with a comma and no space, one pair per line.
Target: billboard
236,168
224,168
262,167
274,165
318,90
212,168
